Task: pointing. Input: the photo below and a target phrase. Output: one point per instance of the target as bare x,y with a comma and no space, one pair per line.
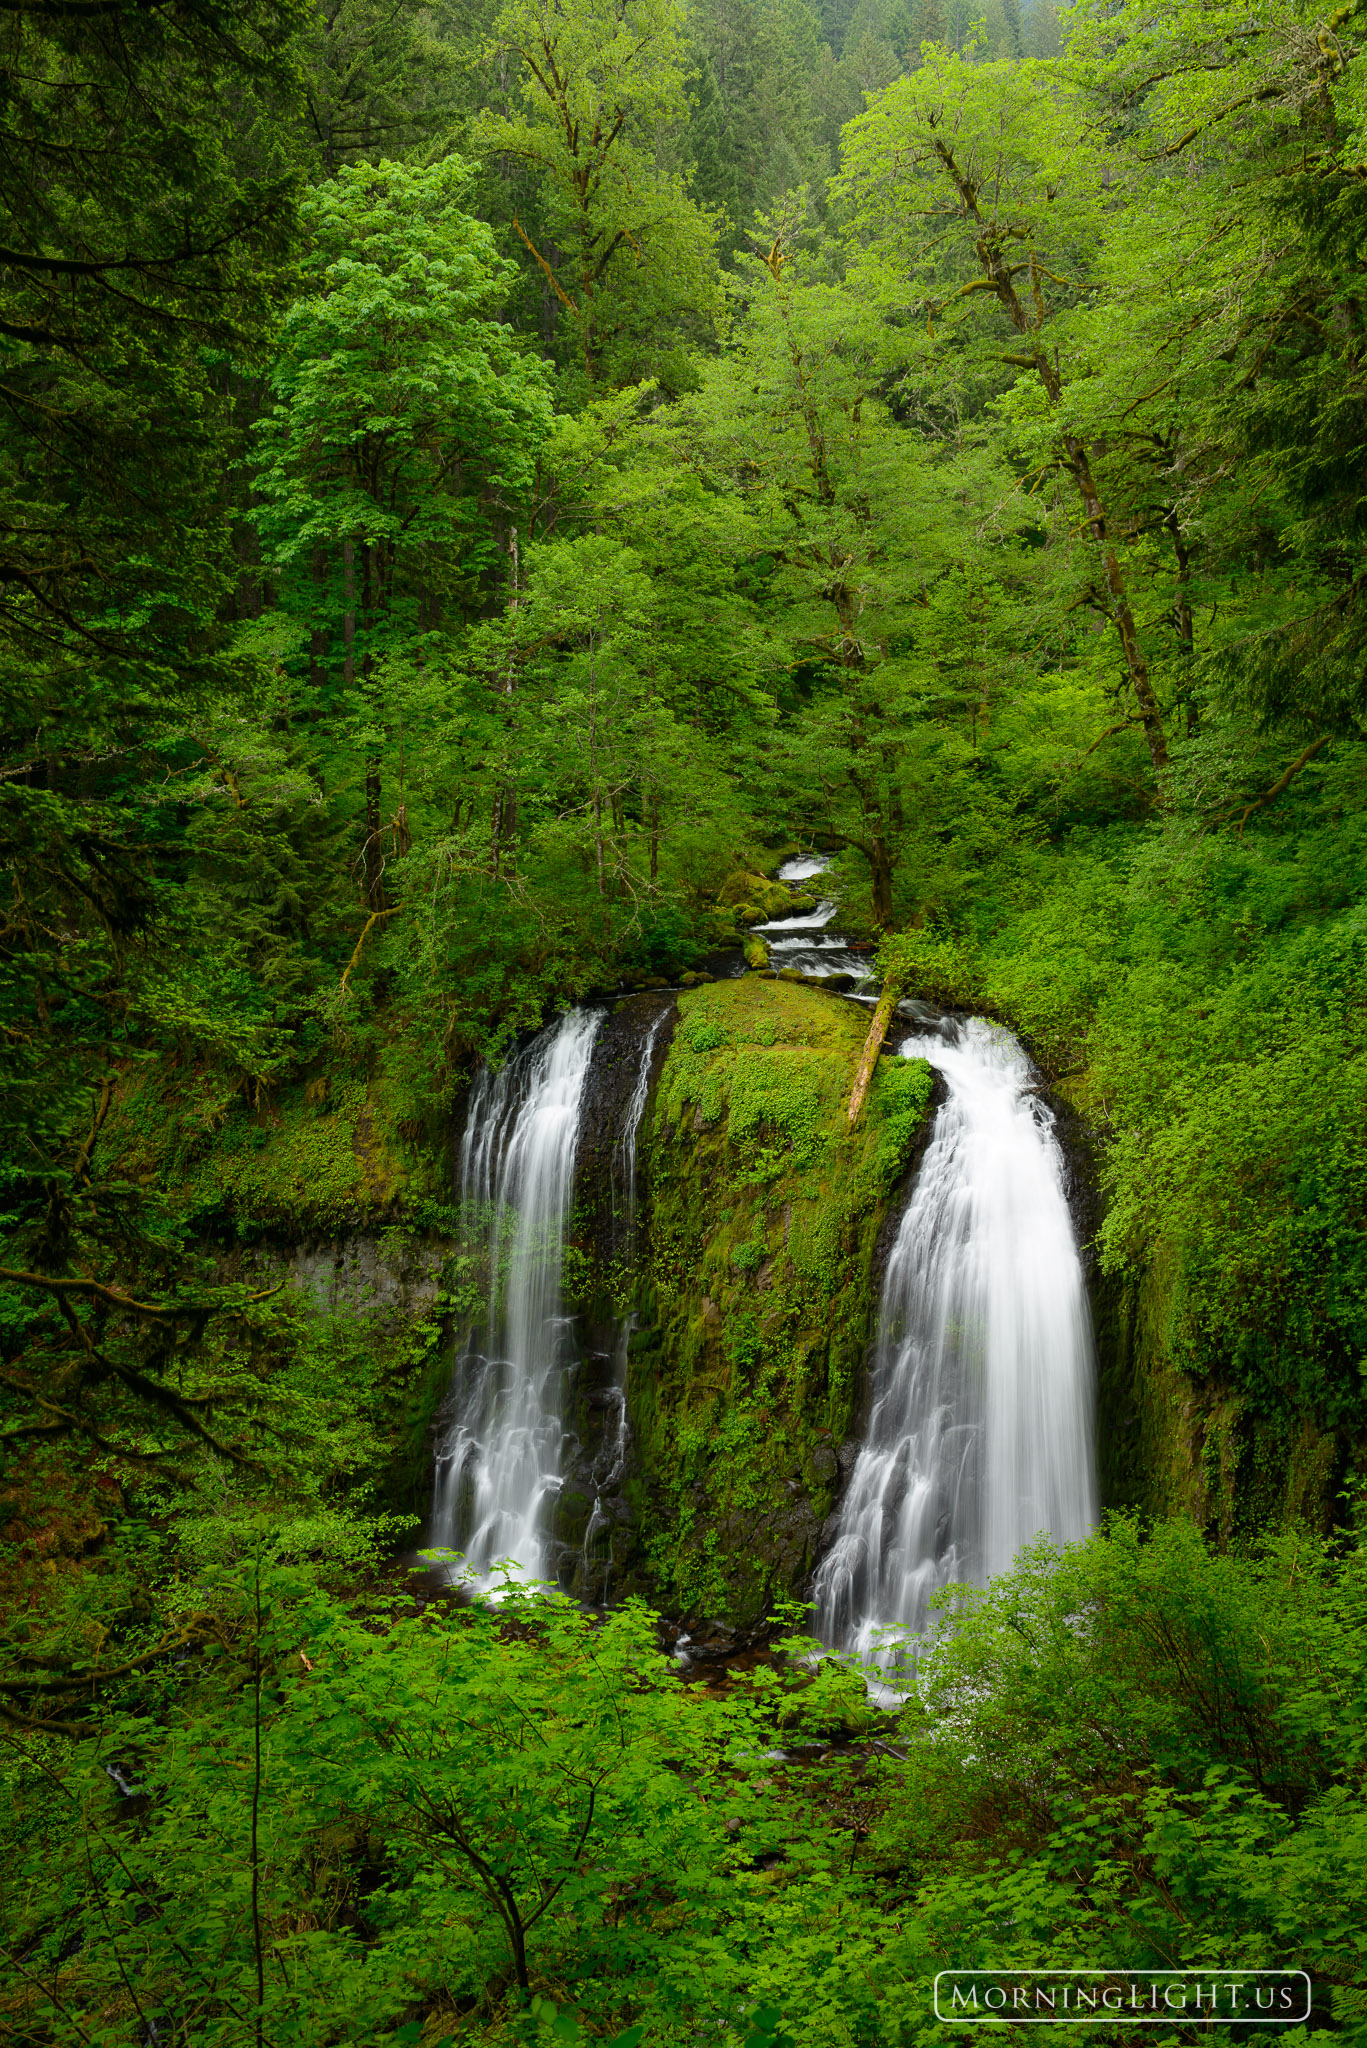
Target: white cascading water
980,1435
803,941
624,1160
500,1462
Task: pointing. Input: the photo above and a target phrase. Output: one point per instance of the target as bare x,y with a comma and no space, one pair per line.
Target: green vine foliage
335,1810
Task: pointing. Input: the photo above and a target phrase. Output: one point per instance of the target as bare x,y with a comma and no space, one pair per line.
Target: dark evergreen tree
378,79
719,175
930,25
150,163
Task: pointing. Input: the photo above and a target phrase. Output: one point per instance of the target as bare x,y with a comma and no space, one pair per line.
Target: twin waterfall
500,1464
980,1429
980,1433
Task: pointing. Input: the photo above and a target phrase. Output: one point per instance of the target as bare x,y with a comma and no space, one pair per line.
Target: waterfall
980,1435
624,1158
500,1461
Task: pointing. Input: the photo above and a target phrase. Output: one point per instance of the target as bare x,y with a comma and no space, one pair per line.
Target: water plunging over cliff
980,1435
624,1158
500,1462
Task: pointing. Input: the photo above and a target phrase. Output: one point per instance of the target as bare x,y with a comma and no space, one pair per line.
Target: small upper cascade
500,1462
980,1436
802,941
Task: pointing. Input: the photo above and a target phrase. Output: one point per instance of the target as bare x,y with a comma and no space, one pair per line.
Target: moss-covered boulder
752,899
747,1372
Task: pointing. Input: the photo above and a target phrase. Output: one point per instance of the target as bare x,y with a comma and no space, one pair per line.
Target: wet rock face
594,1549
390,1279
387,1296
629,1053
747,1370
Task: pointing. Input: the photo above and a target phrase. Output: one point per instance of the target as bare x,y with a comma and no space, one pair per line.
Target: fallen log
873,1045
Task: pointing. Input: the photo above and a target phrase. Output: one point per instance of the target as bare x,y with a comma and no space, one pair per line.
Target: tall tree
405,424
881,697
149,238
980,180
379,77
1237,354
596,94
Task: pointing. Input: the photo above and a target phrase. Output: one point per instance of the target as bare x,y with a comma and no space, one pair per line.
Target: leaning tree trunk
873,1045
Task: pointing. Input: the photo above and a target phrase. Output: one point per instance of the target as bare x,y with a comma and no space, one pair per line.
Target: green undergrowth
335,1151
765,1220
328,1200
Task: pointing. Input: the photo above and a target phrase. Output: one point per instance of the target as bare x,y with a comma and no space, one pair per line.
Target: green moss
1178,1443
324,1154
753,898
765,1217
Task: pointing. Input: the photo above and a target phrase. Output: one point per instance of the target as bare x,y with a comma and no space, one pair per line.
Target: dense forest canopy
473,480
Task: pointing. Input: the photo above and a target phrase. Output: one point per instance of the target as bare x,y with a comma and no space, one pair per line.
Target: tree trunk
318,638
372,856
999,272
1149,714
1183,624
873,1045
504,821
348,613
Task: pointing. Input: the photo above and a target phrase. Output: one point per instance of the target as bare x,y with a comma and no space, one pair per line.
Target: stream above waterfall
804,942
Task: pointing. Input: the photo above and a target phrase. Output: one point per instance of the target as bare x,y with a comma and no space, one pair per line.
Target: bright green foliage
1004,539
1277,389
1137,1755
334,1815
629,255
398,401
980,196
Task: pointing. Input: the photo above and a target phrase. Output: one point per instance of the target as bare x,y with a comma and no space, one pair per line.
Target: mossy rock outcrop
333,1155
1176,1443
747,1371
752,899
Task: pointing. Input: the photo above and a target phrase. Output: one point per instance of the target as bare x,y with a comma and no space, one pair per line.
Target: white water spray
500,1463
980,1435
